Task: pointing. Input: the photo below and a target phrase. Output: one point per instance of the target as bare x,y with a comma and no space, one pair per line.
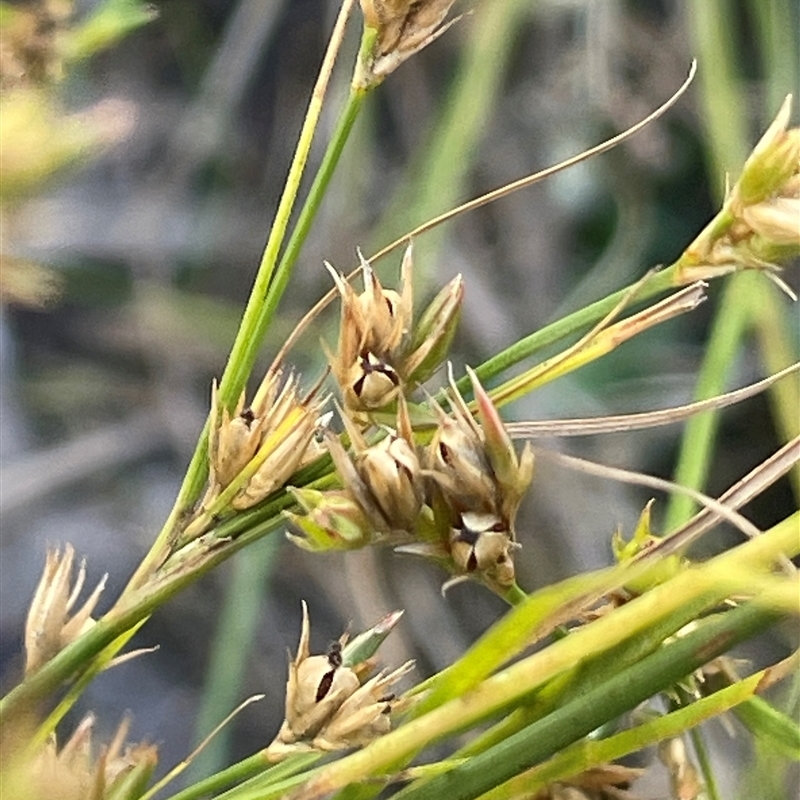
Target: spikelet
327,705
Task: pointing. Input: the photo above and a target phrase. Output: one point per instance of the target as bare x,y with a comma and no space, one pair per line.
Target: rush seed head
268,441
401,29
759,224
327,706
381,354
50,625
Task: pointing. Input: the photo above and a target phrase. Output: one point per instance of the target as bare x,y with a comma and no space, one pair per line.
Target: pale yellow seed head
776,220
50,625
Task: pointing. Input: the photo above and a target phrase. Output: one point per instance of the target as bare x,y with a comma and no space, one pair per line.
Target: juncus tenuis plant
366,454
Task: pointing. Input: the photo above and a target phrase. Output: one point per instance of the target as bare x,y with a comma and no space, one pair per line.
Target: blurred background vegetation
152,243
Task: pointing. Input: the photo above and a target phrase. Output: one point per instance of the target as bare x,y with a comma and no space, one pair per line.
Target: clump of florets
329,703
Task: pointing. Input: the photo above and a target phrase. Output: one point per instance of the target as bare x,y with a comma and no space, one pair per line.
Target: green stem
259,311
595,707
101,662
704,762
264,296
700,432
726,135
242,608
258,789
515,595
316,193
566,326
589,673
588,753
247,768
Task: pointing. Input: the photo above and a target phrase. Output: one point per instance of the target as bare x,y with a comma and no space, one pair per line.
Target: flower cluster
380,355
383,491
328,707
256,449
759,225
448,491
77,770
401,29
480,481
453,501
51,625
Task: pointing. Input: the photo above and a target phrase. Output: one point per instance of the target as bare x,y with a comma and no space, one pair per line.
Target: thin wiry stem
615,423
744,490
530,180
640,479
257,314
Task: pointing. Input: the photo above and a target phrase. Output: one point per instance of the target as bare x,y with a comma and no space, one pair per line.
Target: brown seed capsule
380,355
370,383
387,474
480,482
327,708
457,462
403,28
482,544
392,472
364,715
475,464
314,691
232,439
371,328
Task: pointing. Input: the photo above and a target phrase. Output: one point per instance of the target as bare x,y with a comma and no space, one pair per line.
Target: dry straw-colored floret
386,477
759,225
327,706
401,29
380,353
233,441
604,782
382,496
50,625
29,52
266,442
683,775
371,329
482,481
74,771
